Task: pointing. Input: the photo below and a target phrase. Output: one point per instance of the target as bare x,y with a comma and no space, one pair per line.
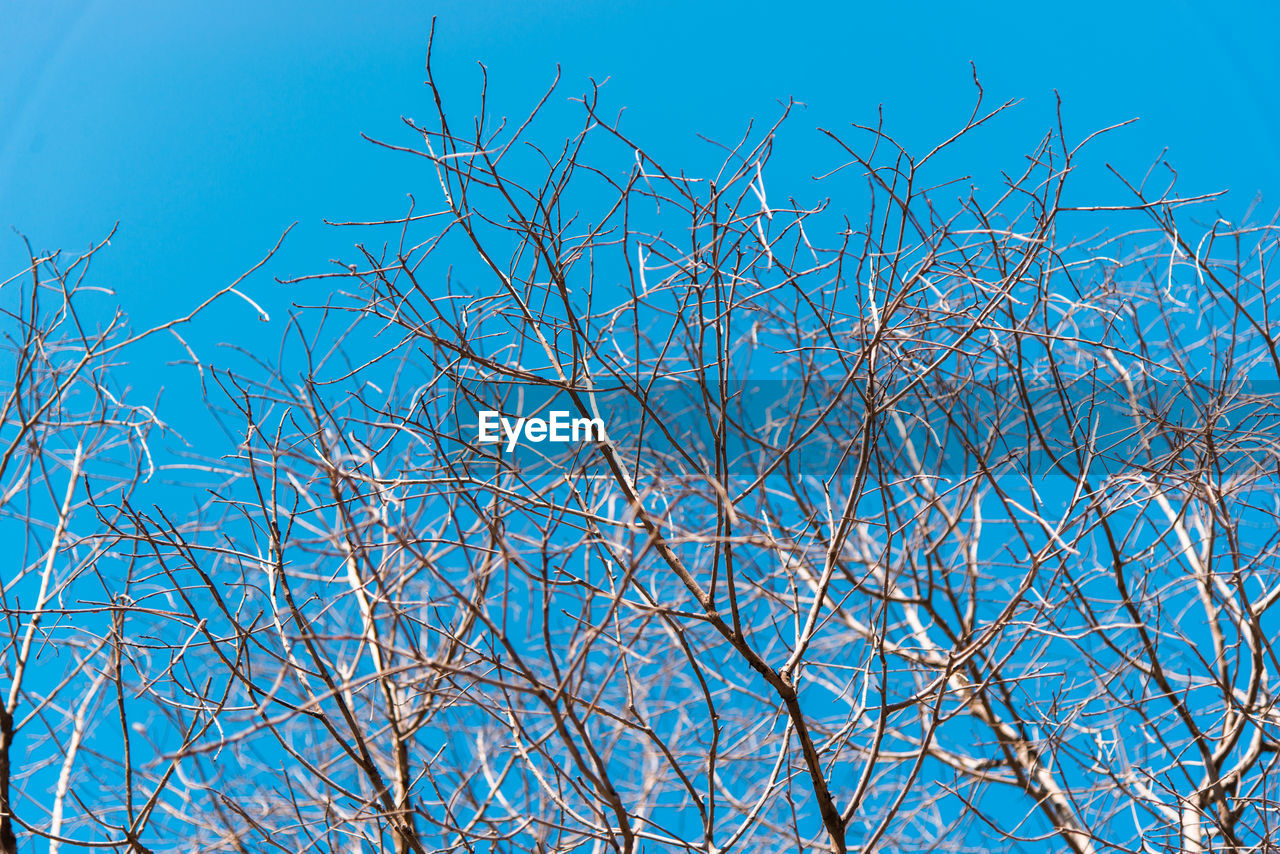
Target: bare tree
921,522
72,447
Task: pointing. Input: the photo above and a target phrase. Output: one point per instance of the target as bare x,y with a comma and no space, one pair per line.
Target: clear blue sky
206,129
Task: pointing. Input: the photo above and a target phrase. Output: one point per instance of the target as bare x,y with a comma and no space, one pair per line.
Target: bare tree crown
915,522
